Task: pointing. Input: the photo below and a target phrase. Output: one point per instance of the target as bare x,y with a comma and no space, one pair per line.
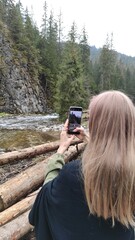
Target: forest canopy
64,68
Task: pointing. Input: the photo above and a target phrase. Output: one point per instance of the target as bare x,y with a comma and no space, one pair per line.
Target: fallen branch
30,152
29,180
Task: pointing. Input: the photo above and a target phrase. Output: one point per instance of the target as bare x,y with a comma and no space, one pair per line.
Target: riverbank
22,131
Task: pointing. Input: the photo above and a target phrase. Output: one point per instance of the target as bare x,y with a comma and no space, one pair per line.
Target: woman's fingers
65,127
66,124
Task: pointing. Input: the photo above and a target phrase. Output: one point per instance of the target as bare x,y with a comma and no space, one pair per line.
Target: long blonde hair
109,159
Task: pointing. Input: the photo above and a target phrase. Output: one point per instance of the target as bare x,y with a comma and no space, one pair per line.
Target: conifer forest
64,66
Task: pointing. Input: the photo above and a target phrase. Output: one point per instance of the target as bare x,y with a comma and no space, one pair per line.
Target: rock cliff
19,93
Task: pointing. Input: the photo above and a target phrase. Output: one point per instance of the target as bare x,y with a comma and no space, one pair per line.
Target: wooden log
20,185
16,229
29,180
17,209
30,152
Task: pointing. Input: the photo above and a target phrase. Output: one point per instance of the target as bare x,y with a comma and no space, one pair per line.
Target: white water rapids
37,122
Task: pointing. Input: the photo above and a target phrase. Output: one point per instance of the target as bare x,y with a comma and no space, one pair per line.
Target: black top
60,212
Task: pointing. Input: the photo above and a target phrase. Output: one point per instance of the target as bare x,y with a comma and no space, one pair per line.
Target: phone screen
75,114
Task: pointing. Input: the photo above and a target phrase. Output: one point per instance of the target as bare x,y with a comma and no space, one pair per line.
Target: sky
100,17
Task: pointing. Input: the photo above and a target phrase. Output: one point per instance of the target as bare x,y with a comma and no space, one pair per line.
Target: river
21,131
44,122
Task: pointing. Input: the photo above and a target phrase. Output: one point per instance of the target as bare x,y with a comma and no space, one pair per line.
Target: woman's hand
65,139
83,135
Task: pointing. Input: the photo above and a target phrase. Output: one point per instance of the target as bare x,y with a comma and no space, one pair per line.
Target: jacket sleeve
54,165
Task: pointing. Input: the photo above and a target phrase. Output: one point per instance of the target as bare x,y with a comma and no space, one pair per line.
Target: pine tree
2,11
107,63
50,57
60,36
130,81
87,65
5,7
45,21
30,46
15,24
70,89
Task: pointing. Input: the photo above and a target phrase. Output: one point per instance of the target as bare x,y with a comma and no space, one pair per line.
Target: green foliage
63,68
5,8
31,51
70,86
88,80
3,68
107,66
3,114
49,50
15,23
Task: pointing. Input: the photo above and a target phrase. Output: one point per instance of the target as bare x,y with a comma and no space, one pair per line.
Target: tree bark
17,209
29,180
16,229
30,152
20,185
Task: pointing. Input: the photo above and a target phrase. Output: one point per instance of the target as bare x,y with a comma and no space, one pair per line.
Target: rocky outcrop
19,93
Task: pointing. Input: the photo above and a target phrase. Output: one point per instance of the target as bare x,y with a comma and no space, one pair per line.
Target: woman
92,199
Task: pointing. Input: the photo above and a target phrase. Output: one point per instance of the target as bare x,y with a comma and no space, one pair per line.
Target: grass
3,114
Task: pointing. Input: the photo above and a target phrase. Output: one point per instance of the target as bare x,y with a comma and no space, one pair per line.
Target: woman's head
111,116
109,158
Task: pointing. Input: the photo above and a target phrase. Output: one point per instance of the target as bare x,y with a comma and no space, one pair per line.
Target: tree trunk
16,229
20,185
29,180
17,209
30,152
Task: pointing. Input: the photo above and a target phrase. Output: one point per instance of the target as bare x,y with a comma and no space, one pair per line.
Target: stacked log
30,152
15,229
17,209
16,200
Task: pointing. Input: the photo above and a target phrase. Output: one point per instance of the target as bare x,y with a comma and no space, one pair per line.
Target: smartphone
74,118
